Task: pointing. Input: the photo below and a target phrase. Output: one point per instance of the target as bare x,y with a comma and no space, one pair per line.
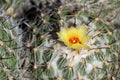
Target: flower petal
85,46
63,35
86,38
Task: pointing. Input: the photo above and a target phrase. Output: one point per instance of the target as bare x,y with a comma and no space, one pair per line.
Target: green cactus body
34,45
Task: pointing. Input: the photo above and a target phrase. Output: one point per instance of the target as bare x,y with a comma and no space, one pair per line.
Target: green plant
30,48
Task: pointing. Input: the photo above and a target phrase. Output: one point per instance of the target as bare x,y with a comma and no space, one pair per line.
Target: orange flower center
74,40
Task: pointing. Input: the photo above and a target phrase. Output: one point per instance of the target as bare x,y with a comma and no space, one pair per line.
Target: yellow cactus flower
74,38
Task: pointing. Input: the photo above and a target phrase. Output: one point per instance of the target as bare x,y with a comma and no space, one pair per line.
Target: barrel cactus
59,40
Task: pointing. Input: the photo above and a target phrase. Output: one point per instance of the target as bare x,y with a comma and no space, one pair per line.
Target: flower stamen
74,40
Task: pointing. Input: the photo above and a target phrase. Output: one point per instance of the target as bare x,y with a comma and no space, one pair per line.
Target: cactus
35,44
